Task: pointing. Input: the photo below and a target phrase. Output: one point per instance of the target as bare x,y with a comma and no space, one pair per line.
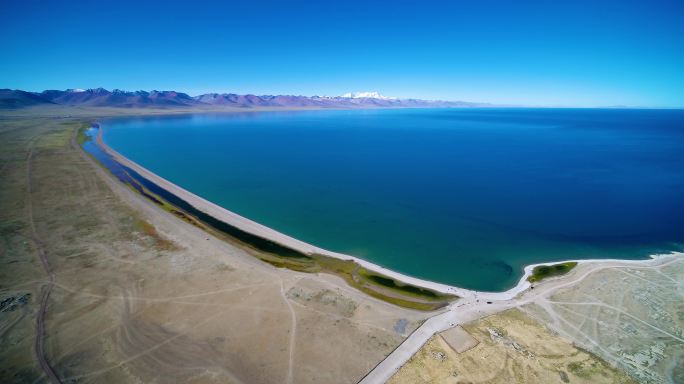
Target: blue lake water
466,197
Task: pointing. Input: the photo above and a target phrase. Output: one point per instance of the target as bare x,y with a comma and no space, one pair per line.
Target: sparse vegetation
193,307
382,287
582,369
395,285
523,351
81,137
159,241
543,271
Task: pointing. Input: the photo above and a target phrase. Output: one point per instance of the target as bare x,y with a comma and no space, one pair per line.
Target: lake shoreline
262,231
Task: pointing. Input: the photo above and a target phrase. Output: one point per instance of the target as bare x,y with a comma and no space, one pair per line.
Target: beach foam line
247,225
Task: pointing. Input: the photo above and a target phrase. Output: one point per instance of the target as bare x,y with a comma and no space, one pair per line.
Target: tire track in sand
46,289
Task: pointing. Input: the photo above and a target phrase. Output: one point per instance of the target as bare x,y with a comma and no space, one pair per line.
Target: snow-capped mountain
100,97
366,95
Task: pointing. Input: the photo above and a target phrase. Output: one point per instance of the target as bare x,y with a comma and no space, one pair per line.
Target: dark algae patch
382,287
393,284
543,271
371,283
180,207
257,242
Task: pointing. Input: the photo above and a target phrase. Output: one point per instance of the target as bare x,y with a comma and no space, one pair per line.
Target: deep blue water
461,196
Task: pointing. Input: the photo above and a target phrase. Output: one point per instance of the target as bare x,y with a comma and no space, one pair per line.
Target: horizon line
491,104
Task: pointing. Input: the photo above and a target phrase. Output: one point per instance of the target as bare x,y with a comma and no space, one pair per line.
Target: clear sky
551,52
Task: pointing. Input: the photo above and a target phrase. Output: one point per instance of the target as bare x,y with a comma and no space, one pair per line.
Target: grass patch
541,272
58,138
159,241
383,287
81,137
396,285
586,369
589,368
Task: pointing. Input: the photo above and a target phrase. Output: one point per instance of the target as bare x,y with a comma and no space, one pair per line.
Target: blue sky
570,53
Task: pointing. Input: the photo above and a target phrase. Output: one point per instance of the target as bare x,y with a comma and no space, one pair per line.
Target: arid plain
140,296
611,323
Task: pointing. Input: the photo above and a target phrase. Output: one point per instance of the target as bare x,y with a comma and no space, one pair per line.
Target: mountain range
367,95
100,97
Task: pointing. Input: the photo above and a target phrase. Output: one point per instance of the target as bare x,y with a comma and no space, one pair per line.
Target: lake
465,197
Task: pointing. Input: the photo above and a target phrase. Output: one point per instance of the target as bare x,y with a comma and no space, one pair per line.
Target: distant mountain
10,98
367,95
355,100
248,101
100,97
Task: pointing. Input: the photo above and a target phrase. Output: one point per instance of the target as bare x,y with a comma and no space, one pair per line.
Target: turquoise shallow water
462,196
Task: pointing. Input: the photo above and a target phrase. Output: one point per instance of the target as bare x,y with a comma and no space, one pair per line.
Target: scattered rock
14,302
400,326
499,337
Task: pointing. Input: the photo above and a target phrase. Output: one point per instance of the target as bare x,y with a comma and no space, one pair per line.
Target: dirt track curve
39,346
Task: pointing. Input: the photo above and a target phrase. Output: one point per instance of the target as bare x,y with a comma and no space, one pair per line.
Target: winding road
46,289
